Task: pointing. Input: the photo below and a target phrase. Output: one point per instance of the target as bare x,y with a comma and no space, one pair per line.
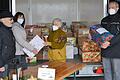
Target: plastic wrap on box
45,30
100,34
71,41
70,52
83,31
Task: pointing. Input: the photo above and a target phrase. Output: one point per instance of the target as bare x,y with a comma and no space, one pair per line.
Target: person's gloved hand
2,69
35,51
28,59
105,45
47,43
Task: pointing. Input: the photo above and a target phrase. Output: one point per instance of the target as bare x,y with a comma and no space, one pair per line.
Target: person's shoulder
105,18
15,24
62,32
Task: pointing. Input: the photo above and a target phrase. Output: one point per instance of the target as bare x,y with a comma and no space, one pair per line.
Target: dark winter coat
112,24
7,45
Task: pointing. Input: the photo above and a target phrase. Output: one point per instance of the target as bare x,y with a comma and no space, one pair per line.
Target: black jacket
112,24
7,45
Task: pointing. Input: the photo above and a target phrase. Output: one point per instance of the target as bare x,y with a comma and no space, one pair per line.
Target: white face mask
112,11
20,21
55,28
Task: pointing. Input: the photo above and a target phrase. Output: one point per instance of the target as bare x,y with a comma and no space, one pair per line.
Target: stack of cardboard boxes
32,30
89,50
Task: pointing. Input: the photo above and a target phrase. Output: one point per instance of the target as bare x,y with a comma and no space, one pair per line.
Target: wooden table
63,69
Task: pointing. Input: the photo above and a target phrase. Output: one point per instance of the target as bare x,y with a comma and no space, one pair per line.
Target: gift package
99,34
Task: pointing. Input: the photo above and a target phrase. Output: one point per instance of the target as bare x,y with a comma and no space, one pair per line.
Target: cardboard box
91,57
30,26
76,25
90,46
37,31
32,30
39,56
44,24
45,31
69,34
79,23
81,39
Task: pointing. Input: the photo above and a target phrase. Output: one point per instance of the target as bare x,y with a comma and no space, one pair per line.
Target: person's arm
20,40
1,58
115,40
60,43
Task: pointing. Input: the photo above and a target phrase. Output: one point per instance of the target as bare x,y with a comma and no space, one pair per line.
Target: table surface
62,69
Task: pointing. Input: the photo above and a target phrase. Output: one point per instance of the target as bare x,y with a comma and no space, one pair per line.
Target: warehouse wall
22,5
49,9
42,11
91,10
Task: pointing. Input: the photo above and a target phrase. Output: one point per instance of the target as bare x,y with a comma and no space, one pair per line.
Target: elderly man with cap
57,42
7,41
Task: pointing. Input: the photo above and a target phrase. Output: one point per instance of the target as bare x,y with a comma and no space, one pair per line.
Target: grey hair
57,19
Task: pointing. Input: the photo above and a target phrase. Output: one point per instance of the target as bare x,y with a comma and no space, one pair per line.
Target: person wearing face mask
20,37
111,53
57,42
7,42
